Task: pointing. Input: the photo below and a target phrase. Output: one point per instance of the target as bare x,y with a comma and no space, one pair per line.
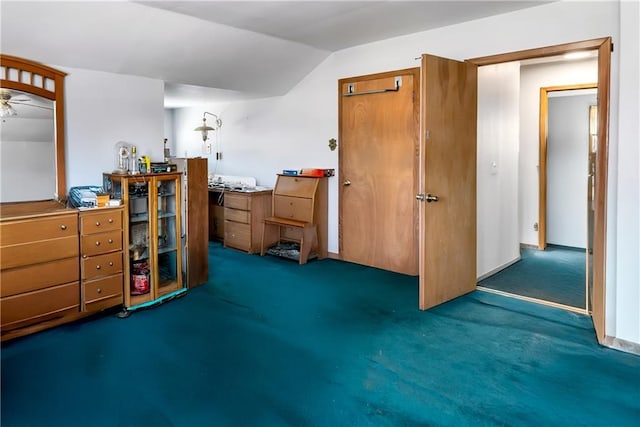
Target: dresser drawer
32,307
237,201
101,265
237,235
95,244
26,231
107,220
293,208
38,276
237,215
38,251
296,186
108,288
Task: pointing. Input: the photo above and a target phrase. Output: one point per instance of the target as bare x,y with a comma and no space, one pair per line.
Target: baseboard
498,269
622,345
333,255
528,246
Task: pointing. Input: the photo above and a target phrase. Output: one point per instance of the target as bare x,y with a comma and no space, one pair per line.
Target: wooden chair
293,205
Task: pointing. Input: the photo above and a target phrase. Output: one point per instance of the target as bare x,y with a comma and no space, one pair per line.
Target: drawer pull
99,291
97,223
98,267
110,220
98,243
110,240
63,227
110,263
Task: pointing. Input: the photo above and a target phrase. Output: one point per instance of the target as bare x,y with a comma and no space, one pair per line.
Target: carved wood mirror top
43,88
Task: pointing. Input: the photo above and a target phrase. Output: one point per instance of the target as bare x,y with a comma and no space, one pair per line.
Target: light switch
494,168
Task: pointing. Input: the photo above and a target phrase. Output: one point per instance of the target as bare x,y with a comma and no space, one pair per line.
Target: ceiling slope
217,49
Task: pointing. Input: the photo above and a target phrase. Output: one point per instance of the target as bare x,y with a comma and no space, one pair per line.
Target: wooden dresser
244,213
57,264
101,265
39,265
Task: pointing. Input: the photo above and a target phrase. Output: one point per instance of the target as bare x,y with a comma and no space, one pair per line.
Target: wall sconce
204,129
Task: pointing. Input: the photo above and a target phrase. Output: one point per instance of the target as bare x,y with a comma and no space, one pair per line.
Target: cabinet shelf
141,217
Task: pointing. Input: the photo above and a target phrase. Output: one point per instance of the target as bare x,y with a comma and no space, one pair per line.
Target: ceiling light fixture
204,129
6,109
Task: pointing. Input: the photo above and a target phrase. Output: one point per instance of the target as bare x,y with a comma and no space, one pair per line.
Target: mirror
27,148
31,131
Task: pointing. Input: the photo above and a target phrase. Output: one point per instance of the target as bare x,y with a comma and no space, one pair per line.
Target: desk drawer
236,215
95,244
33,277
31,230
108,288
32,307
237,235
99,222
297,208
237,201
101,265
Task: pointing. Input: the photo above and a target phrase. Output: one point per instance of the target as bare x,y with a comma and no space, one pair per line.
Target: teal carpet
268,342
556,274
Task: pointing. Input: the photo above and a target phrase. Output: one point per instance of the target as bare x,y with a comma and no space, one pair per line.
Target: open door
447,198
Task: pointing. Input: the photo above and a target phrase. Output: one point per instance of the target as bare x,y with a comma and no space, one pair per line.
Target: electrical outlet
206,149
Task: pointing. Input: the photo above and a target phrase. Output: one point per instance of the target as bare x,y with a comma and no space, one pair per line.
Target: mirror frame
32,77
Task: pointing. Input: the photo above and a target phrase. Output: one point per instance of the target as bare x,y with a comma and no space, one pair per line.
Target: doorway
603,48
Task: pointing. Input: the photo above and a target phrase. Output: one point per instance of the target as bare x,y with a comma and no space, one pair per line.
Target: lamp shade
204,129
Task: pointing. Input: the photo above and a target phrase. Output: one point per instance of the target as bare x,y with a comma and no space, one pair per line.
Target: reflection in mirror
27,147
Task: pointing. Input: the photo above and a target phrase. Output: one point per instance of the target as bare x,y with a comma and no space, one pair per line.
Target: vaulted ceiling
222,49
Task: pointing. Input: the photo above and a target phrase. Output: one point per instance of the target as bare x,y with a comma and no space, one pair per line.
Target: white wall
497,176
103,109
567,168
623,246
532,78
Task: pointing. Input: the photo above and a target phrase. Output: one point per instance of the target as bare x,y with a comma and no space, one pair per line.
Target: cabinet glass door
140,249
168,232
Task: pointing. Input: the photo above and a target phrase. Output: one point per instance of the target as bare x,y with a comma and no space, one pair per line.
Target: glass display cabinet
152,236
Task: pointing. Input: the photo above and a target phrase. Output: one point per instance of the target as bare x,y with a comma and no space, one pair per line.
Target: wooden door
448,180
378,170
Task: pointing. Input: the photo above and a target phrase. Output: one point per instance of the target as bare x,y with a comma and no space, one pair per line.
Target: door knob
346,182
431,198
420,197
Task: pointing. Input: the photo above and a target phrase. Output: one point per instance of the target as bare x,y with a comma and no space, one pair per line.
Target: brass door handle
346,183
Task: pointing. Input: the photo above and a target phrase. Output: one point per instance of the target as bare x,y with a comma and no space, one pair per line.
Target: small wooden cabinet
101,264
152,236
39,267
244,213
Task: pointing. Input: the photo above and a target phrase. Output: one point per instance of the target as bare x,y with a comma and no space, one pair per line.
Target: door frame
604,46
542,172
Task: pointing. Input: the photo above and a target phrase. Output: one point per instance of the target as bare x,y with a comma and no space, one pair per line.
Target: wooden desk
236,217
